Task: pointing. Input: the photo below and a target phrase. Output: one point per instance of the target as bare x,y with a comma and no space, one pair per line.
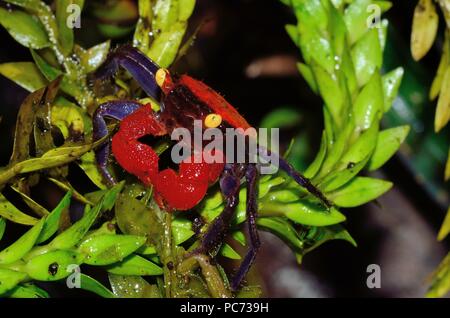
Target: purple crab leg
251,176
304,182
230,182
142,68
116,110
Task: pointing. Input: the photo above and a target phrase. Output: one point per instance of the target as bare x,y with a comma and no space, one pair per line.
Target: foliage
424,33
342,58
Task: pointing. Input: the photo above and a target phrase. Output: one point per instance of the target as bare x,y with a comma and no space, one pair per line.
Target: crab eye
213,120
160,76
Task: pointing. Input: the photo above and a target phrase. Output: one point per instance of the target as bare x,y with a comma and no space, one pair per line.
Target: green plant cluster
342,58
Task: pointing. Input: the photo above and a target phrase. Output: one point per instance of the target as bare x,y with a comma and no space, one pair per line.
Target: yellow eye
160,76
213,120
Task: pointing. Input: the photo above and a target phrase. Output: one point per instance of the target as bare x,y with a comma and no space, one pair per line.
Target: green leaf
304,212
228,252
391,84
27,291
388,142
2,227
51,73
356,17
369,104
318,235
51,224
33,205
9,279
338,178
109,248
92,58
445,228
75,233
362,148
24,74
52,266
181,230
330,90
165,47
441,280
133,287
24,28
308,75
89,165
10,212
367,56
135,265
92,285
281,228
23,245
281,118
314,167
359,191
185,9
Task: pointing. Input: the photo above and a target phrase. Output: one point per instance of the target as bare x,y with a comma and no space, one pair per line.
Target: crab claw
142,68
134,156
185,189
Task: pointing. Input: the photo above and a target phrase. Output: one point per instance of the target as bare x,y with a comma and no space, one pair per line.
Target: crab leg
294,174
251,176
137,64
117,110
230,182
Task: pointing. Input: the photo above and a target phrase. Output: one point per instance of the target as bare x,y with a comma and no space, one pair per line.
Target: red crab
182,100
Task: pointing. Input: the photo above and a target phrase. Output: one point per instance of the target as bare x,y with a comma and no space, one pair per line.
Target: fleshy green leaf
135,265
304,212
391,84
2,227
388,142
92,285
109,248
132,287
24,74
10,212
445,227
441,280
9,279
24,28
359,191
356,17
53,265
181,230
23,245
228,252
281,228
367,56
51,224
27,291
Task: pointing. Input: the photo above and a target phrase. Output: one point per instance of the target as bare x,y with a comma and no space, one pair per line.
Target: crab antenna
142,68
